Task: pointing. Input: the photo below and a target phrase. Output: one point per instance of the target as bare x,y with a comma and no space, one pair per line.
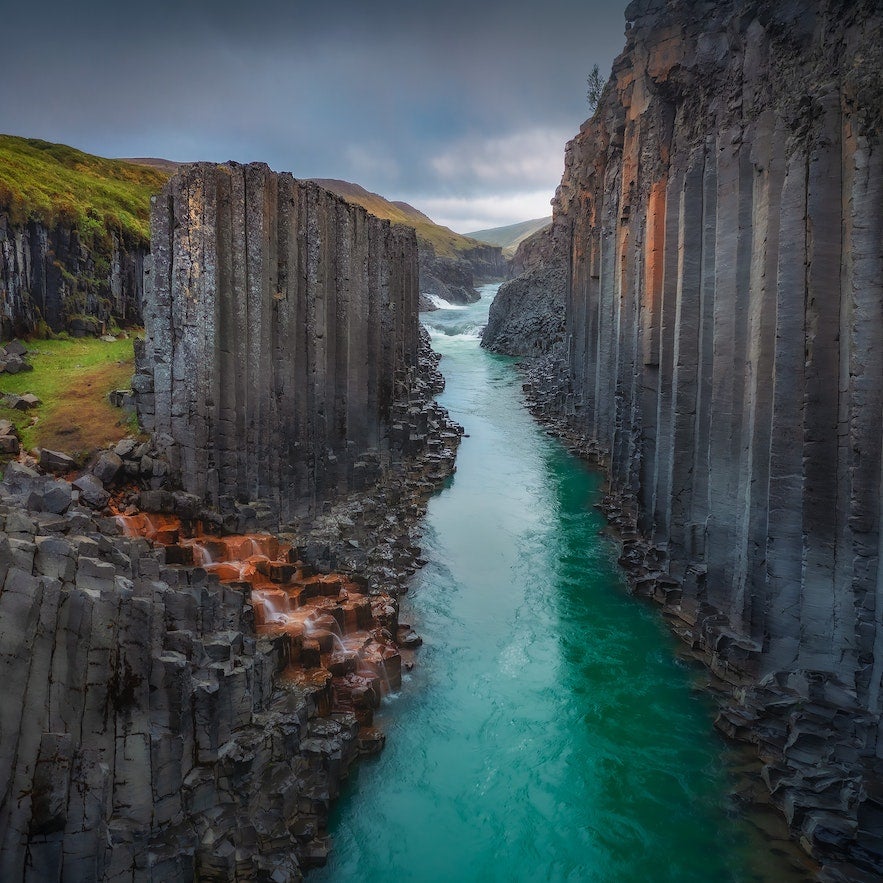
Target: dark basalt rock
722,219
49,274
527,315
281,338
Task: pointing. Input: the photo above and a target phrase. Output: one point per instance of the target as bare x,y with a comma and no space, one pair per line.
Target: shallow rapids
549,731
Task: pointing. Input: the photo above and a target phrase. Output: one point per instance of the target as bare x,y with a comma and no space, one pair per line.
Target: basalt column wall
281,329
725,314
722,218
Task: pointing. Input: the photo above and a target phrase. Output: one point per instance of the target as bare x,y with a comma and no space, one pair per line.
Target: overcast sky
460,108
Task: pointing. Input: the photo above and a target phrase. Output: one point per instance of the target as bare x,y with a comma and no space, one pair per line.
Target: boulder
92,491
108,467
21,403
56,461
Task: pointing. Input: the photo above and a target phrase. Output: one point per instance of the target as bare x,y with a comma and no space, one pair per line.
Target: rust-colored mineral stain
343,647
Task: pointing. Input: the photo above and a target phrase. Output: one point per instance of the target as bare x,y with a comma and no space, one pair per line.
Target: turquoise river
549,731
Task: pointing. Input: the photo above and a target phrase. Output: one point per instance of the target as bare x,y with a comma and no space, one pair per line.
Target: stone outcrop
182,705
721,216
526,317
50,275
142,733
537,249
282,340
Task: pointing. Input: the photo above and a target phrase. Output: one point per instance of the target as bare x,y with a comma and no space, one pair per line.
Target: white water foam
473,332
441,304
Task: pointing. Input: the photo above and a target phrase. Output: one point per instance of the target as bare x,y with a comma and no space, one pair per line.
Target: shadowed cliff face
47,273
722,216
281,337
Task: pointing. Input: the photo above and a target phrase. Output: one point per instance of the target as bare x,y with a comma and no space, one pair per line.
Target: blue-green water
548,732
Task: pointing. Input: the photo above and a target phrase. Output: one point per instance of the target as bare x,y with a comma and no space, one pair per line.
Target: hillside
510,237
447,243
54,183
167,166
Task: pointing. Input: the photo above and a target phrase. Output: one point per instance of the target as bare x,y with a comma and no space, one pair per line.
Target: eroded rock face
50,274
722,219
527,315
281,338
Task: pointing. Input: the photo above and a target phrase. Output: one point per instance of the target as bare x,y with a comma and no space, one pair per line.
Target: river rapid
549,731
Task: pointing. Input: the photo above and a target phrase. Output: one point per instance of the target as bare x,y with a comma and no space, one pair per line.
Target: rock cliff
527,315
721,216
182,704
49,274
282,339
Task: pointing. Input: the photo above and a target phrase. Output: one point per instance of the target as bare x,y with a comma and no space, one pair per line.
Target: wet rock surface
721,214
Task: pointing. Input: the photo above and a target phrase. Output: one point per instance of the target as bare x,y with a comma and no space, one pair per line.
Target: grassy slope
54,182
72,379
446,242
510,237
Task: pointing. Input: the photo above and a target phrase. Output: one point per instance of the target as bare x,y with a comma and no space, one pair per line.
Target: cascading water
338,650
549,732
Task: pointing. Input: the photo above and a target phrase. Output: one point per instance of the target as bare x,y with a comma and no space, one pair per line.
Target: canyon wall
722,219
49,274
526,317
282,338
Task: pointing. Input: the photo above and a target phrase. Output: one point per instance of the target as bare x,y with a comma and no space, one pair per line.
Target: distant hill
509,238
55,183
167,166
447,243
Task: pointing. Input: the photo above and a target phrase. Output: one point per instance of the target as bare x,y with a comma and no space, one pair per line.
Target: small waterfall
125,525
275,605
201,555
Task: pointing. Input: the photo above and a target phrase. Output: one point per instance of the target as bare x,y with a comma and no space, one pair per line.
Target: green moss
72,378
54,183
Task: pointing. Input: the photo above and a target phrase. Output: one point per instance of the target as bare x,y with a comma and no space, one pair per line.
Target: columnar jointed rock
723,221
281,327
48,274
141,734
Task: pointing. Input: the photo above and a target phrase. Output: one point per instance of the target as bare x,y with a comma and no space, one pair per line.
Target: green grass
55,183
446,242
72,379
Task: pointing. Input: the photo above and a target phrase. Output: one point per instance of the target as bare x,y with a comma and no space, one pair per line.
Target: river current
549,731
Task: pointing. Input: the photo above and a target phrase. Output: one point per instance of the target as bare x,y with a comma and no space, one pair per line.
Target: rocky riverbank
184,699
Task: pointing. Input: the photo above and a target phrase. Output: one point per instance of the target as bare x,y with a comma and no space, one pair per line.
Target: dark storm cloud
462,108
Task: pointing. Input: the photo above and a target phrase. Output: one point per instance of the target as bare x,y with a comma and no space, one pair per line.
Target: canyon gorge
204,626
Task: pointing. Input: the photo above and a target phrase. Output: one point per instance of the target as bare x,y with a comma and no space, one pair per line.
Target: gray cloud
459,106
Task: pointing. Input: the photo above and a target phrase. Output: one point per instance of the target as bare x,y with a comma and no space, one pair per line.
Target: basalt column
281,329
723,220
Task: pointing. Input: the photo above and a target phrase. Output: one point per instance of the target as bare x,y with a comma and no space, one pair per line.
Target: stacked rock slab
722,219
281,331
